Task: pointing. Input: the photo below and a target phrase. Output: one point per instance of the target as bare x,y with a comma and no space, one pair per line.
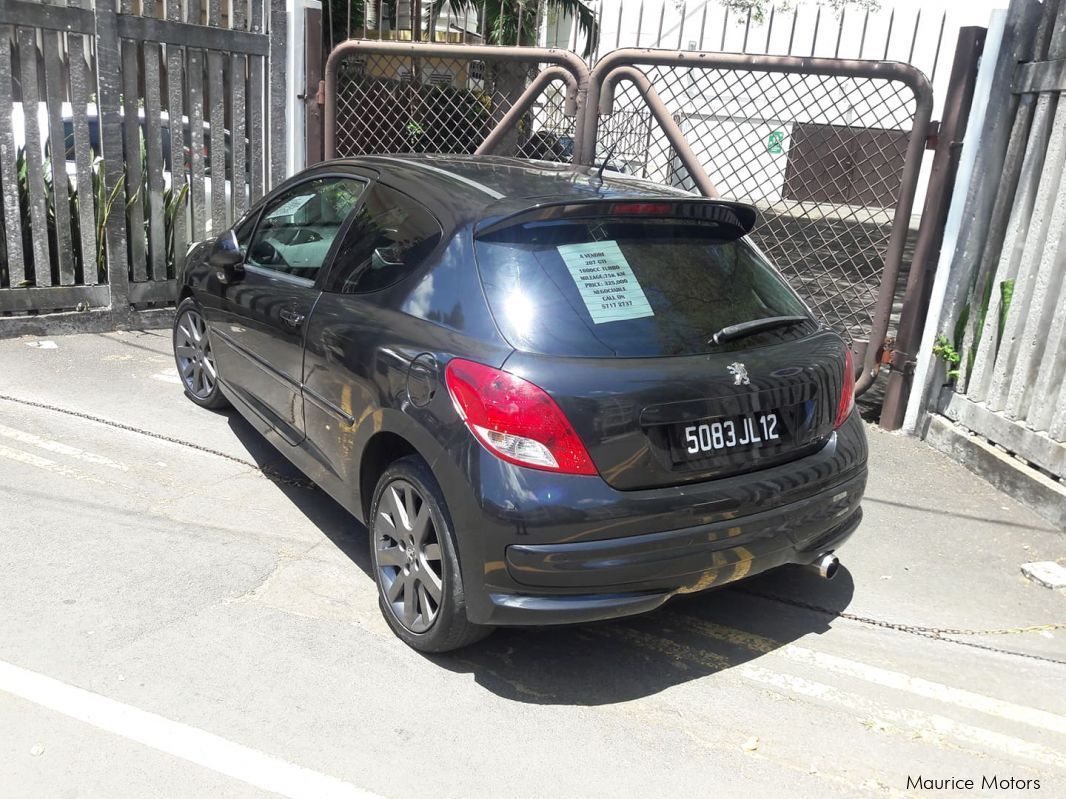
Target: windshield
630,288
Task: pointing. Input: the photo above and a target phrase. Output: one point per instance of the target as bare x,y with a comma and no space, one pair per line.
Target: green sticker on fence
774,142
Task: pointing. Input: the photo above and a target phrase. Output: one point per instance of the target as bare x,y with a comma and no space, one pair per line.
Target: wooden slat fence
128,129
1006,310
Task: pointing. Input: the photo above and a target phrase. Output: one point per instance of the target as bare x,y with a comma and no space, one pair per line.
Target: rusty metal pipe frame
562,58
934,217
884,70
662,115
525,102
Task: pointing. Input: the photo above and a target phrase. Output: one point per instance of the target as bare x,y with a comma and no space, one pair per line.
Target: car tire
194,358
413,555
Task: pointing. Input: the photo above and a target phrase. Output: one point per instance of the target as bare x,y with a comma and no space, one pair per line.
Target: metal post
313,76
934,216
666,122
279,131
524,103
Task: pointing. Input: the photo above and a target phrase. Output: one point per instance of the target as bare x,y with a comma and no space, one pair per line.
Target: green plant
1006,294
104,202
504,20
342,16
173,204
945,350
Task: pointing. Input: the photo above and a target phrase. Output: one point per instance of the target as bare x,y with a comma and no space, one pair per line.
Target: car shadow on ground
692,636
339,526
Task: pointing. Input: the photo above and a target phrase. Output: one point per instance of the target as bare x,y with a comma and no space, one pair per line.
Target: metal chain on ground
935,633
267,472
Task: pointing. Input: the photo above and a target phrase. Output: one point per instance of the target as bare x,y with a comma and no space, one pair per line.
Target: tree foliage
515,21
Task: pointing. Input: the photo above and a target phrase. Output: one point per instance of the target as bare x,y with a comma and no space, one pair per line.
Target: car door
260,316
358,347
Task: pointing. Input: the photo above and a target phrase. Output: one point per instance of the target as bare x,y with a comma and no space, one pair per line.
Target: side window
389,239
297,229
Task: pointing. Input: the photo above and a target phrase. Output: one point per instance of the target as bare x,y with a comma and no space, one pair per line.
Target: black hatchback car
551,396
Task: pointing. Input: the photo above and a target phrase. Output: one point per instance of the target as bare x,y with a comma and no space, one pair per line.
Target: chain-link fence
389,102
828,150
821,156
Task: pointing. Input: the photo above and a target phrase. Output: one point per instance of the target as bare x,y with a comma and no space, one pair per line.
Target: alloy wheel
408,556
192,347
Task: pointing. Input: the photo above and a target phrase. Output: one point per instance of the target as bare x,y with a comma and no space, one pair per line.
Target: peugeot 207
550,395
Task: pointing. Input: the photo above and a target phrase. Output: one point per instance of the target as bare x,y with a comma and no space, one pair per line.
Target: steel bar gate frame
625,64
591,95
565,61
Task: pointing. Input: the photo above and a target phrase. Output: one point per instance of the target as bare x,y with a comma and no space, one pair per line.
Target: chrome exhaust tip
826,566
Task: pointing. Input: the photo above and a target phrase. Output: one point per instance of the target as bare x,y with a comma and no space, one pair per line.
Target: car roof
482,186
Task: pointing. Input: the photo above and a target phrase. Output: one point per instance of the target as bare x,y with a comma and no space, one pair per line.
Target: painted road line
167,377
925,724
928,725
1033,717
59,448
205,749
928,689
29,459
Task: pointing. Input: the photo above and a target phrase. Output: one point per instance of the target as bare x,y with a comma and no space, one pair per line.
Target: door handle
292,318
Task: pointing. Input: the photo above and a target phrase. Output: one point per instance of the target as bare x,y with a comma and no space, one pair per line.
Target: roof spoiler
736,219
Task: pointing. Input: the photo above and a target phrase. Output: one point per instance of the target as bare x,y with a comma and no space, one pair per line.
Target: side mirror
226,258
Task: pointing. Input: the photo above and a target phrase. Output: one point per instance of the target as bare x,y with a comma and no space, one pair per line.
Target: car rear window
606,287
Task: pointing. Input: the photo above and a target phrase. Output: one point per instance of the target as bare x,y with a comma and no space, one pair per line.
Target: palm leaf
501,21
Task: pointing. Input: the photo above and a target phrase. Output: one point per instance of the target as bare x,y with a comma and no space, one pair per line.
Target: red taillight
847,394
514,419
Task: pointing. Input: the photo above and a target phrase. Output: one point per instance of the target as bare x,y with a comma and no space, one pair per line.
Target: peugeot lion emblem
740,373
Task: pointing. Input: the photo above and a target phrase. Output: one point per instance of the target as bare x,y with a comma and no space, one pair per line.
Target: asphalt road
176,622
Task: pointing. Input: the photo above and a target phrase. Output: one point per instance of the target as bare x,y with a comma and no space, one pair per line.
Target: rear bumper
625,576
541,548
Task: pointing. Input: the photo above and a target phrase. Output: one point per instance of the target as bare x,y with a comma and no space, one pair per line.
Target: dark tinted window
629,288
298,228
389,239
93,125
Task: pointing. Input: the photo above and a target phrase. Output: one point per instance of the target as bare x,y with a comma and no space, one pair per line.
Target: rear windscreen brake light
642,209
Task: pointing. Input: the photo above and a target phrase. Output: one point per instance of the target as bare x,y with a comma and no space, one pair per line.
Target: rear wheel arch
382,450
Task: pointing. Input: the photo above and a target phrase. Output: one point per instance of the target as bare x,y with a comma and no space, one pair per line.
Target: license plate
727,434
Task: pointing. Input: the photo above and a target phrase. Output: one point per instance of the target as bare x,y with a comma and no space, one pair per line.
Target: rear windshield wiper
741,329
